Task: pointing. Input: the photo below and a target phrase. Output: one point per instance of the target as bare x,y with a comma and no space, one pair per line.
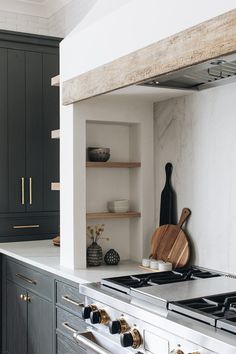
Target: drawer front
66,346
30,279
29,225
68,323
70,298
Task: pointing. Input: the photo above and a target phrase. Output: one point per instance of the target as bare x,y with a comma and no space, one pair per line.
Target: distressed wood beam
211,39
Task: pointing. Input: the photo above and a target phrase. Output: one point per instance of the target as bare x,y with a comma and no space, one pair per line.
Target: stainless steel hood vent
199,77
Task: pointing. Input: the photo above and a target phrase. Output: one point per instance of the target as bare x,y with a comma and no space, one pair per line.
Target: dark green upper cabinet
29,110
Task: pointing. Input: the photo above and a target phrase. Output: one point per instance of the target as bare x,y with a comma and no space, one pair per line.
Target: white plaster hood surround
130,26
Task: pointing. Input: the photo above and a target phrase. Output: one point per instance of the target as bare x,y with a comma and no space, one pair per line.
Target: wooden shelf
106,215
55,81
55,134
113,164
55,186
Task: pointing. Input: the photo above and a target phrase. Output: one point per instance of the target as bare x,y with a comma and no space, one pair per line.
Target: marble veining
197,134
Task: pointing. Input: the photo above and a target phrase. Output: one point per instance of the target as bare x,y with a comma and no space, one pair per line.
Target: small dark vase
112,257
94,255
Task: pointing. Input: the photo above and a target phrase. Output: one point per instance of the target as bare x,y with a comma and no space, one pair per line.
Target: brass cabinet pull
73,302
22,190
25,298
67,326
26,226
28,280
30,190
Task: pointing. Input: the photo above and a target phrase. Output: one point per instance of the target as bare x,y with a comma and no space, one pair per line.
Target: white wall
130,238
134,25
197,134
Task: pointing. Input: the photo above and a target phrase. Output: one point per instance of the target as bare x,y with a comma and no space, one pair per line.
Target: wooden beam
113,164
55,81
106,215
211,39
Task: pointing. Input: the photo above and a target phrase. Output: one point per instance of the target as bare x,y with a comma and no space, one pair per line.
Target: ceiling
41,8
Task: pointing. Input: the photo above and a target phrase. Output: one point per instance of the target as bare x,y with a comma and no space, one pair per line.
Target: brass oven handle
26,226
30,190
82,338
22,190
67,326
27,280
73,302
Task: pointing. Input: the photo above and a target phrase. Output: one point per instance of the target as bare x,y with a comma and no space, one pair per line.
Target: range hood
216,72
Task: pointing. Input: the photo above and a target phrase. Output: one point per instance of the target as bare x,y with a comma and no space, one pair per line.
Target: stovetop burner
218,310
125,283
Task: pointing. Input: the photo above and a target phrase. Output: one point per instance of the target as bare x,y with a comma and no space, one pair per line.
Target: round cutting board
170,243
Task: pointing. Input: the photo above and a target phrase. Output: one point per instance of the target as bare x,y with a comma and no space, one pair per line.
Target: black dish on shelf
98,154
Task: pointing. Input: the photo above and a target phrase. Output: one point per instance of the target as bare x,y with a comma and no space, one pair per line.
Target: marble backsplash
197,133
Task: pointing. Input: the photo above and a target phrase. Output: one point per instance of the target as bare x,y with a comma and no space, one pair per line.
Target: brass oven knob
87,310
99,316
177,351
118,326
131,339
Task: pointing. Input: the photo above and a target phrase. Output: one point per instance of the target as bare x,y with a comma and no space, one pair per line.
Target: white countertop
44,255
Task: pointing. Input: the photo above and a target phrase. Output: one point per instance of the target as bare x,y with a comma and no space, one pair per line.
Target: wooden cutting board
167,207
56,241
170,244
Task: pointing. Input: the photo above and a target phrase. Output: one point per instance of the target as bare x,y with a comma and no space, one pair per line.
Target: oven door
96,343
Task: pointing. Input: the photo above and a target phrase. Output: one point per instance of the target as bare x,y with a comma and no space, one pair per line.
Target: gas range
125,284
185,311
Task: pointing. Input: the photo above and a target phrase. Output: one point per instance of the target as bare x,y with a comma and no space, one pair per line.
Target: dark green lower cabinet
65,346
40,325
27,310
39,310
16,320
29,322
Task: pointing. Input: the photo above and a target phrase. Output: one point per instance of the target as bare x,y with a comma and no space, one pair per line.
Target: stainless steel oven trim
83,339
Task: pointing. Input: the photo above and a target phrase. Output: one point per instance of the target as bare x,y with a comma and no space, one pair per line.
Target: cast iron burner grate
217,310
125,283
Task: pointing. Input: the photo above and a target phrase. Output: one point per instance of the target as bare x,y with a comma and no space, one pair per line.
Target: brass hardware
22,190
137,340
26,226
124,327
30,190
28,280
67,326
93,307
104,317
73,302
177,351
28,299
24,297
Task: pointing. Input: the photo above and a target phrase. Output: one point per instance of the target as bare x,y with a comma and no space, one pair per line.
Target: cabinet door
34,132
51,122
65,346
16,129
40,325
16,321
3,133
